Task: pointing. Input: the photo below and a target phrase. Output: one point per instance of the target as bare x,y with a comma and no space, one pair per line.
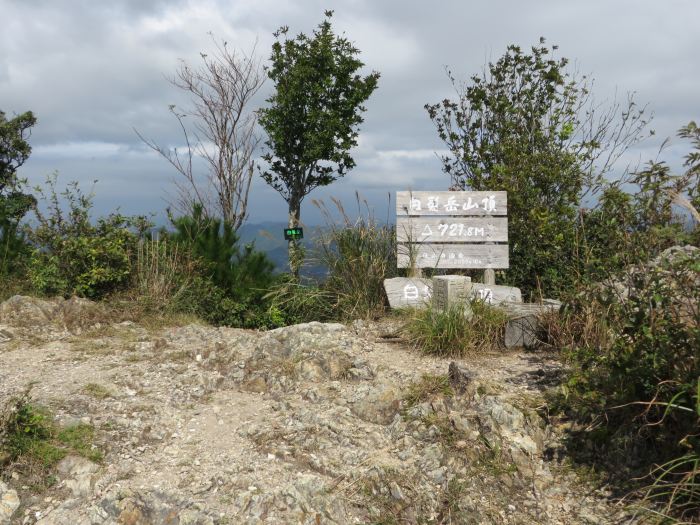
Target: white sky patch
382,47
87,150
416,154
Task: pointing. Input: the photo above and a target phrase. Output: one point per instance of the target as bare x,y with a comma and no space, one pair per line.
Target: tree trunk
296,252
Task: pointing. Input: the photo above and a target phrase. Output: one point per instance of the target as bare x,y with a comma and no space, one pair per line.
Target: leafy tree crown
314,113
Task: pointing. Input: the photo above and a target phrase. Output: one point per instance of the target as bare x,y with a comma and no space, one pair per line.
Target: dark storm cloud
93,71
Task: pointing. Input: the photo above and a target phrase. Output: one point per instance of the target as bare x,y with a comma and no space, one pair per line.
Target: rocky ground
309,424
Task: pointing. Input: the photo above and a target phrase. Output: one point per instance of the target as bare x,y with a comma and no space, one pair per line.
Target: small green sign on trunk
291,234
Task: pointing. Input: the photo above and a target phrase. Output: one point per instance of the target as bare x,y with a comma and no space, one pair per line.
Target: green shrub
634,372
527,124
630,334
238,271
293,303
14,248
359,255
633,225
205,271
74,256
459,331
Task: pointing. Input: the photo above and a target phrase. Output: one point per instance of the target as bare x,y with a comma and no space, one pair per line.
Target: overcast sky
93,70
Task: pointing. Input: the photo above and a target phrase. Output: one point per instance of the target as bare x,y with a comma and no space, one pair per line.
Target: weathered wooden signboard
452,229
462,256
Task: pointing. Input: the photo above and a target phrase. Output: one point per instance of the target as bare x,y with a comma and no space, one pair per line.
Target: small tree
528,126
14,151
222,134
14,203
313,116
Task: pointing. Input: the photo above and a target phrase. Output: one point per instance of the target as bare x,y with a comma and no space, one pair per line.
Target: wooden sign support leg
415,273
489,274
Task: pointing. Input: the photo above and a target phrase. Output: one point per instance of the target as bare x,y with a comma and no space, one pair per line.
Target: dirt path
306,424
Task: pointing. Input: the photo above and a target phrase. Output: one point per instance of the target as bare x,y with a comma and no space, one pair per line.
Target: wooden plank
476,256
452,229
452,203
406,292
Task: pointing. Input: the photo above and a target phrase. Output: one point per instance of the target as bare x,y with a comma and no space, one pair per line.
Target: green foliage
524,126
33,445
14,204
461,330
630,336
629,227
313,116
14,151
237,272
73,256
359,255
636,384
14,248
223,283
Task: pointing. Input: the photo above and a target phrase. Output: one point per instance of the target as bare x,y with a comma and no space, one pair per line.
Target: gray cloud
92,71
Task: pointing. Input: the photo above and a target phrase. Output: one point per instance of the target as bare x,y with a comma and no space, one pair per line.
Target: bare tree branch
222,133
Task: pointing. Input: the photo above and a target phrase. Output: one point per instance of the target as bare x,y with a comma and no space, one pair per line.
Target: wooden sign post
452,229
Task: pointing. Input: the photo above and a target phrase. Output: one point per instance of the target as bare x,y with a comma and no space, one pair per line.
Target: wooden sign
451,203
464,256
452,229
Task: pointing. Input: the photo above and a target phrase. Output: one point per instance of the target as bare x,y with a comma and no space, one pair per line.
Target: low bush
630,334
359,255
216,279
632,348
461,330
238,270
14,249
72,256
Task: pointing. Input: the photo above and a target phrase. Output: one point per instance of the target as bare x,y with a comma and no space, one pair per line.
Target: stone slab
495,294
404,292
522,329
